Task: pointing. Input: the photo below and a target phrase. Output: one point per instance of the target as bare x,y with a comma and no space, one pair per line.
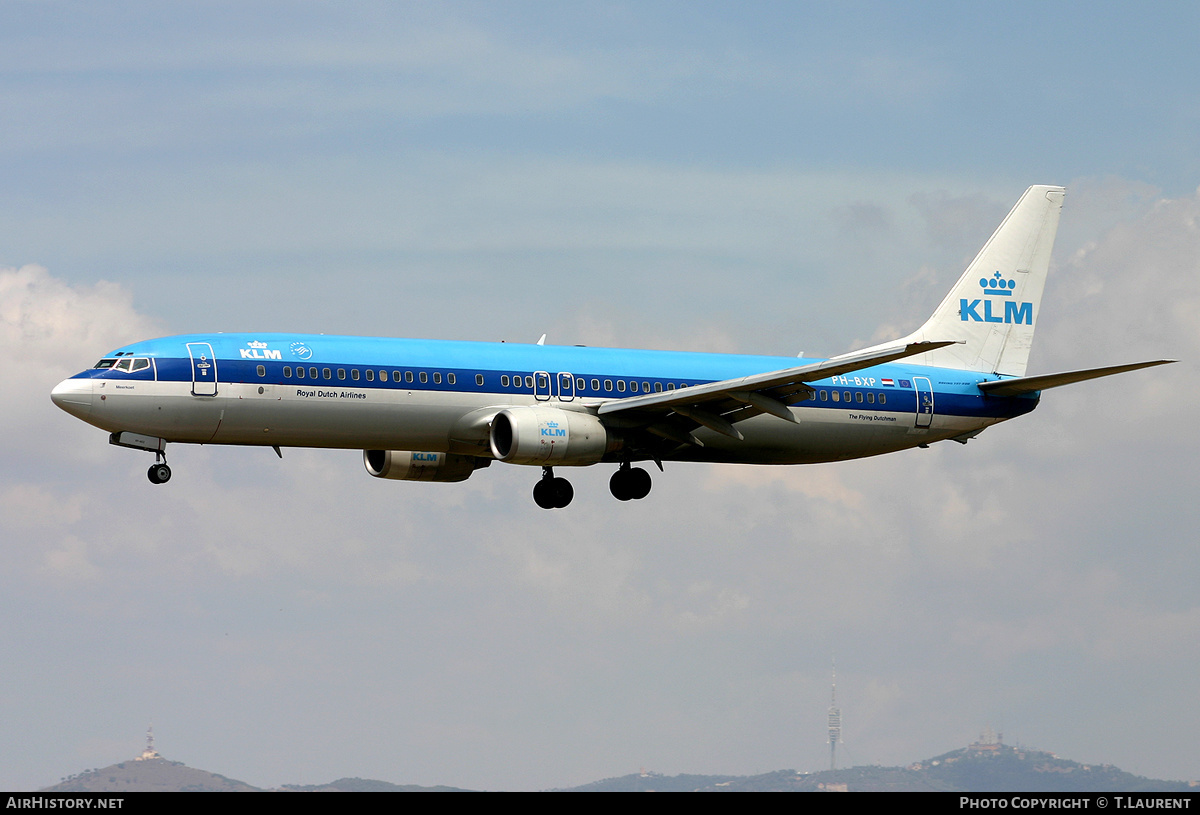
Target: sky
770,178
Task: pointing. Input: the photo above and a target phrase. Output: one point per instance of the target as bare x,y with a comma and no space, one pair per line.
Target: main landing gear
552,492
629,483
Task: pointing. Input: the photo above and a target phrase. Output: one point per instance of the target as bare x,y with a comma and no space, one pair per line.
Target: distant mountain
655,782
149,775
982,767
1010,769
365,785
988,768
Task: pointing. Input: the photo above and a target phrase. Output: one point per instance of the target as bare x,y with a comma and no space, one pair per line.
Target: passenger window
262,371
837,397
383,376
504,380
883,398
354,374
437,378
670,386
451,379
299,373
326,373
312,373
408,377
370,375
824,395
341,373
595,384
846,395
542,382
621,385
858,396
658,387
287,371
424,377
871,398
529,381
645,387
479,380
608,384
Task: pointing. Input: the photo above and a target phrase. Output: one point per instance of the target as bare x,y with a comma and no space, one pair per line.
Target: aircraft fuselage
291,390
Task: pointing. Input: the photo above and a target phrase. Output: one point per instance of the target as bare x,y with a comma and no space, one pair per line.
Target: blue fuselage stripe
239,357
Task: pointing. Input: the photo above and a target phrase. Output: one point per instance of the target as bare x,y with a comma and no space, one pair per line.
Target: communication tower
149,752
835,721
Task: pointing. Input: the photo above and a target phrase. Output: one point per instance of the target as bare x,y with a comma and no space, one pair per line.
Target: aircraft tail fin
994,306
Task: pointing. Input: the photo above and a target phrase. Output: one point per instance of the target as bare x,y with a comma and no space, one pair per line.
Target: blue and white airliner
424,410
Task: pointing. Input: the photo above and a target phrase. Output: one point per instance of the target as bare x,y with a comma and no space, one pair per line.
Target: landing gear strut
552,492
159,472
630,483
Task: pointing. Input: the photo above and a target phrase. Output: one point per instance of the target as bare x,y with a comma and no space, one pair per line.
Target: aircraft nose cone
74,396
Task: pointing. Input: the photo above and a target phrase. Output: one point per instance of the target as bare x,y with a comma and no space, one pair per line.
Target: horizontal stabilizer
1032,384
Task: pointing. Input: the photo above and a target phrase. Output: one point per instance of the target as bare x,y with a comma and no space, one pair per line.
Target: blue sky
772,179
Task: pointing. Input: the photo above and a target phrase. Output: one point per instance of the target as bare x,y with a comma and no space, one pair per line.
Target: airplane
425,410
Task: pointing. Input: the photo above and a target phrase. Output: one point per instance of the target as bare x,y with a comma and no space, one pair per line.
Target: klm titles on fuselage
257,349
260,353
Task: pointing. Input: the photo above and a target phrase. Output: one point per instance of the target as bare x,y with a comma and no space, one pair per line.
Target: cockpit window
128,364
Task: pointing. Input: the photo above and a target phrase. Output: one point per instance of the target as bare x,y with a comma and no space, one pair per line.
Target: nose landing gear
159,472
552,492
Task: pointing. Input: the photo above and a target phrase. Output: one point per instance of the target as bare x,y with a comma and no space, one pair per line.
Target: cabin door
204,369
566,386
924,401
541,386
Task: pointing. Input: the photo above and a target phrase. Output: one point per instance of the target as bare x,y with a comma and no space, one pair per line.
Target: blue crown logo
997,285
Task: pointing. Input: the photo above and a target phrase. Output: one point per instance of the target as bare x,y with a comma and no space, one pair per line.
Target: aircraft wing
1031,384
717,405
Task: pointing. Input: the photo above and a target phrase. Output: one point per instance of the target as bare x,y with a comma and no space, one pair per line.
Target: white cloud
50,330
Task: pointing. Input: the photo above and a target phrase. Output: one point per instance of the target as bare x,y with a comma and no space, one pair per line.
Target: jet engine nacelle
407,465
546,435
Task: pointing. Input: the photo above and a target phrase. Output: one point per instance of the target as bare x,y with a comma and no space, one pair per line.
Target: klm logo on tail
997,286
